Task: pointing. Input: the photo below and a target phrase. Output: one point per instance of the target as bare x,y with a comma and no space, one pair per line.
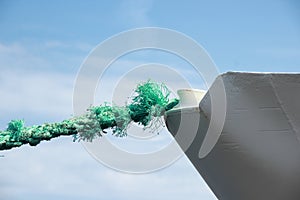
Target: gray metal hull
257,155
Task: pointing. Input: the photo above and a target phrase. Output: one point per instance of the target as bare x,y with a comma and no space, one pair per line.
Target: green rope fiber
149,103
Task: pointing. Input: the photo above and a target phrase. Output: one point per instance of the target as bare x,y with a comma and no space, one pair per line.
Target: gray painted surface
257,155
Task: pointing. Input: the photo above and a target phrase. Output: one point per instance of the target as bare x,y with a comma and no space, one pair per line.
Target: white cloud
36,92
16,56
135,12
54,44
63,169
31,88
60,168
13,48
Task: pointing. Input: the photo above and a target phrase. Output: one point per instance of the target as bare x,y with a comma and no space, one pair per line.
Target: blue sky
43,44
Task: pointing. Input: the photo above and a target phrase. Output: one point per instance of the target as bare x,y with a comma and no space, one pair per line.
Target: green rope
149,103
